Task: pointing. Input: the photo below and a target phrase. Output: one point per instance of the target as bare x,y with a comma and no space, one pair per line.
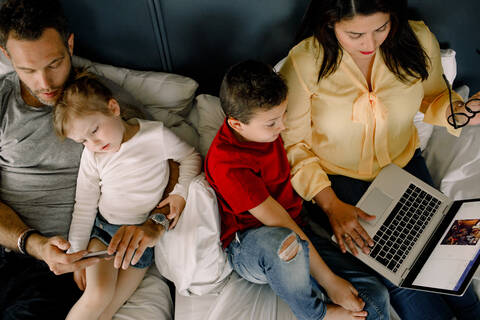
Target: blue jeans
409,304
104,231
254,255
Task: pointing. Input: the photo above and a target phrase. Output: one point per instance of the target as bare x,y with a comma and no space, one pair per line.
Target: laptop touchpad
376,203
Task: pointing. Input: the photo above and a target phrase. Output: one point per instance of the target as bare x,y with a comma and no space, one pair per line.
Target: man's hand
176,204
52,251
344,221
129,242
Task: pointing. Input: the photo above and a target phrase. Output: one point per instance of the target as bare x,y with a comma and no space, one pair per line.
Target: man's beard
37,96
60,88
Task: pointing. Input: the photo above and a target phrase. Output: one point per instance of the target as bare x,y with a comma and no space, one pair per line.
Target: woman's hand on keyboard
344,221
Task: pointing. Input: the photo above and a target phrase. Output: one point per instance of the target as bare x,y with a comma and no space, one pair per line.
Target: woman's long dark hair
403,54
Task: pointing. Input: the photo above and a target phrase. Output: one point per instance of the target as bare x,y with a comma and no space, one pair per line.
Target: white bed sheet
239,299
151,300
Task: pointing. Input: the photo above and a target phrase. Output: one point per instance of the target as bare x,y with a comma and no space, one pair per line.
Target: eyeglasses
461,119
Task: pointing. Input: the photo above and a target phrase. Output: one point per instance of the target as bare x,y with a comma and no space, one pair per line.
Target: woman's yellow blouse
337,126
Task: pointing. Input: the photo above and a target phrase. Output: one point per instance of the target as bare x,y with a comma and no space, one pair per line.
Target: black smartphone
98,254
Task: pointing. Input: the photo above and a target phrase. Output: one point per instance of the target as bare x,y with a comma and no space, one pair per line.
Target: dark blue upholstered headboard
201,38
196,38
456,25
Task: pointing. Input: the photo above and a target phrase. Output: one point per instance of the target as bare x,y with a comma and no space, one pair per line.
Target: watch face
161,219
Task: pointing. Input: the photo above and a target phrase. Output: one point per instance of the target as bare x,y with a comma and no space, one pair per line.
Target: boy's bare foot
336,312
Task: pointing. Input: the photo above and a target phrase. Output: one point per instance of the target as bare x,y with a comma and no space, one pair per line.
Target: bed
218,293
171,55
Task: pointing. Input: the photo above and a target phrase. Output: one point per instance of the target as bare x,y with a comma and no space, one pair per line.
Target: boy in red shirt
262,228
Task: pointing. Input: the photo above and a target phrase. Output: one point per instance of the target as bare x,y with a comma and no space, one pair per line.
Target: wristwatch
160,218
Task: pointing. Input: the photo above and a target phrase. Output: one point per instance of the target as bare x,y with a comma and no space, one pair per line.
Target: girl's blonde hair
82,96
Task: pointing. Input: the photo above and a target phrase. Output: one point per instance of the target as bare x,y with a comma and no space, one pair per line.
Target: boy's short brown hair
82,96
248,87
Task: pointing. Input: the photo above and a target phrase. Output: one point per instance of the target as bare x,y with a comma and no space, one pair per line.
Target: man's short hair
248,87
28,19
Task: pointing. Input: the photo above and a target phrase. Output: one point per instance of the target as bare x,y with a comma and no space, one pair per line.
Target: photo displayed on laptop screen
455,253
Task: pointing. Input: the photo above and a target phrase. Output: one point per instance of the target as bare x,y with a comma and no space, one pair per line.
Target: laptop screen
455,251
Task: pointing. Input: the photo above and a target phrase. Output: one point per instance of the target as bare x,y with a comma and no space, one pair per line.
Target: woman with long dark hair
356,81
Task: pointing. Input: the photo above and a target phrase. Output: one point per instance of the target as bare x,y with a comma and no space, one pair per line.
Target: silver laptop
423,240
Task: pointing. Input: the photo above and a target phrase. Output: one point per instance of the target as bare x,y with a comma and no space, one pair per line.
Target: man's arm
11,227
51,250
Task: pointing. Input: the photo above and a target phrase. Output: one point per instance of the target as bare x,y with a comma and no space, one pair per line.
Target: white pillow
158,89
454,163
449,64
165,96
191,255
5,65
210,119
424,129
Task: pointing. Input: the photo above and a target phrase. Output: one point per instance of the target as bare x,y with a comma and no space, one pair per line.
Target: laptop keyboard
402,228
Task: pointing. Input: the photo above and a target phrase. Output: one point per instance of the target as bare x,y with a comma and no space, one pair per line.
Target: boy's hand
176,204
80,278
344,294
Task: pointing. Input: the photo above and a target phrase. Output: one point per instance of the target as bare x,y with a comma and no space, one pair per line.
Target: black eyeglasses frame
451,118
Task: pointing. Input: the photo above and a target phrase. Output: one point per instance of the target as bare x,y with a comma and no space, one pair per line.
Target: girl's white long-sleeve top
126,185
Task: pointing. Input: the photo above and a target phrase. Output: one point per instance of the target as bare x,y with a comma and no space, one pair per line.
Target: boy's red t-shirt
243,175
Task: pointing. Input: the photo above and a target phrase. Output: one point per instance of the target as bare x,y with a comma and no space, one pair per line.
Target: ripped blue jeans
267,255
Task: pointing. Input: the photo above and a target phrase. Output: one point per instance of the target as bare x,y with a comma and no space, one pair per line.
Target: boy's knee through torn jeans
270,255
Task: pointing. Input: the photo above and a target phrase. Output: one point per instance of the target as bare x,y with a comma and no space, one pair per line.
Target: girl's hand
176,203
343,293
80,278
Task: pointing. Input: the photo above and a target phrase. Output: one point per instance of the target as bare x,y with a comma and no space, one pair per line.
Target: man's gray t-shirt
38,171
